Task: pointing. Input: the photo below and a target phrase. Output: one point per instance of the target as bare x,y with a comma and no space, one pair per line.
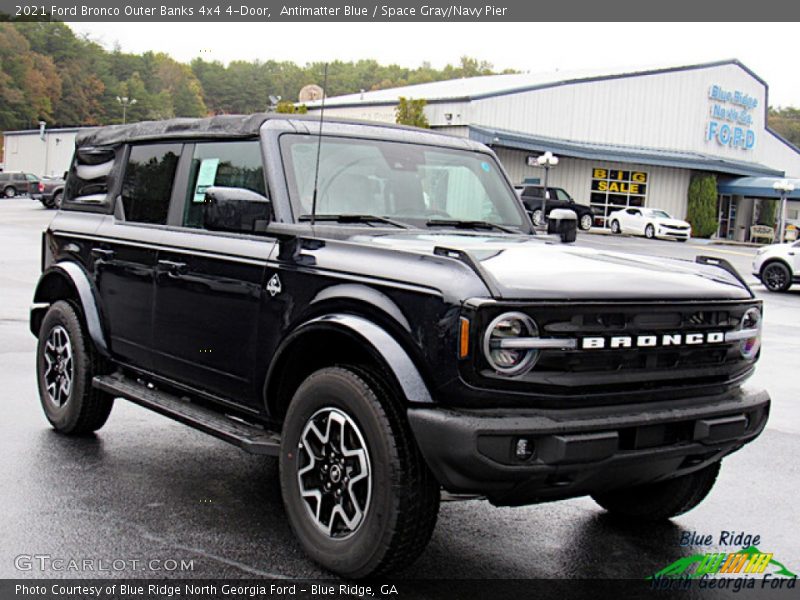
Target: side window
147,185
30,177
533,191
228,164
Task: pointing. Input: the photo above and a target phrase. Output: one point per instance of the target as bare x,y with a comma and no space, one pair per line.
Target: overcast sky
768,49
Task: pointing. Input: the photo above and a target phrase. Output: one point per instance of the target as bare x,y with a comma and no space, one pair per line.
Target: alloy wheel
775,277
586,222
59,366
334,474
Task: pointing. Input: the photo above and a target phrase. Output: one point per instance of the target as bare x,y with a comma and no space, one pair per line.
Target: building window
613,189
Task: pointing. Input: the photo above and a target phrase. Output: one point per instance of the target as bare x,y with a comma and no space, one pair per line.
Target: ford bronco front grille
623,347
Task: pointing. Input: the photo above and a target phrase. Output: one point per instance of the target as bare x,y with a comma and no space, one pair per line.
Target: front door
209,285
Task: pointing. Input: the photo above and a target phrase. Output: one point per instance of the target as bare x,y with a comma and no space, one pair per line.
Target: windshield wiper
355,219
468,225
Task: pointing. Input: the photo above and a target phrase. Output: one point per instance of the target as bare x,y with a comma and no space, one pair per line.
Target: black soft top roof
222,126
227,126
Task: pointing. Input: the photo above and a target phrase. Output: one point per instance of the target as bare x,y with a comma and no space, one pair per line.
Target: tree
702,205
785,121
411,112
767,213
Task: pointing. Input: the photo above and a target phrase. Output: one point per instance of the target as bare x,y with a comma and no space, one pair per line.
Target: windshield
659,214
412,183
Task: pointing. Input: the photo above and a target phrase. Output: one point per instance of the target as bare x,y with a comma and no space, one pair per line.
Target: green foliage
702,205
48,73
785,121
411,112
768,212
284,106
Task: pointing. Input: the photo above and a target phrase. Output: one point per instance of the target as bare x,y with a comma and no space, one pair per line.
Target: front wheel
776,276
66,362
649,232
358,494
661,500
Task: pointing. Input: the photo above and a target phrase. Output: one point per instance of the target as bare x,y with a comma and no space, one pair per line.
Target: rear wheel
358,494
776,276
66,362
586,222
615,228
649,232
10,191
661,500
536,217
57,198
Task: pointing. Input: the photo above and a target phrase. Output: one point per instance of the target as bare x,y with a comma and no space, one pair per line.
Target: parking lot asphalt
147,488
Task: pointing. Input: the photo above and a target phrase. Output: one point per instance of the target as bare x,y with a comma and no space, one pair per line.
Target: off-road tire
776,276
401,513
85,409
663,499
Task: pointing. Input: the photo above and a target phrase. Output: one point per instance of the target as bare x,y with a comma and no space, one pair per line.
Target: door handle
172,267
102,254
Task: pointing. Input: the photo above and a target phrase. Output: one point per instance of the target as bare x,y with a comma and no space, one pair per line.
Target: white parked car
649,222
778,266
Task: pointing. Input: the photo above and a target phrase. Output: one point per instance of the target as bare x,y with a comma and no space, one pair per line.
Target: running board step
249,438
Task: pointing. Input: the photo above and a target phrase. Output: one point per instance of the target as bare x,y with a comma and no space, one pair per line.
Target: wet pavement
148,489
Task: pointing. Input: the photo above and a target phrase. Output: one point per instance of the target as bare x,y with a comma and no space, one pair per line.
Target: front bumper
673,234
582,451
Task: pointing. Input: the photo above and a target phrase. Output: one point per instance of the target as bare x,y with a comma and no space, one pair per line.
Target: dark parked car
50,191
557,198
371,305
16,183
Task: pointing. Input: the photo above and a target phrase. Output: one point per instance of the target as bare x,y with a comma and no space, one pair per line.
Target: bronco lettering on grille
652,341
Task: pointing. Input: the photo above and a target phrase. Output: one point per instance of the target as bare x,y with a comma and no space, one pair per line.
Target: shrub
702,205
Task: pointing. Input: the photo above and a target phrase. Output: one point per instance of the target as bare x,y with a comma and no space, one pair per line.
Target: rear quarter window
92,178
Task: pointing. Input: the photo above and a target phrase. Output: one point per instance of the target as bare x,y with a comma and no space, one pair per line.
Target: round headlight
751,321
498,343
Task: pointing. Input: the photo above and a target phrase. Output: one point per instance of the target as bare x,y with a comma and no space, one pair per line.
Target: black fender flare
83,291
381,344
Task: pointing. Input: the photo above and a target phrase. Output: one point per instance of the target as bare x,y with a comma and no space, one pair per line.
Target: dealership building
623,138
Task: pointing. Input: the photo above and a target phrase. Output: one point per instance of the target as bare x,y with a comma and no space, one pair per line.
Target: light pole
784,188
546,161
125,102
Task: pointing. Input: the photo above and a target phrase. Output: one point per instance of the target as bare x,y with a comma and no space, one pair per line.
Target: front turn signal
463,338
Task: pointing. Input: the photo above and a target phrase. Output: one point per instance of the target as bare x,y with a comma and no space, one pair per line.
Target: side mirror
563,222
235,209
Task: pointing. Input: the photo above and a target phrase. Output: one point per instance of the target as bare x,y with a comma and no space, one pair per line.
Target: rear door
209,284
125,250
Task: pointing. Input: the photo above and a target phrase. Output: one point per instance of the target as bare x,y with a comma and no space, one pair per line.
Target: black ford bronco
371,305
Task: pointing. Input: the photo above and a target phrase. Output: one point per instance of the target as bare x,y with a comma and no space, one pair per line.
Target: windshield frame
525,226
